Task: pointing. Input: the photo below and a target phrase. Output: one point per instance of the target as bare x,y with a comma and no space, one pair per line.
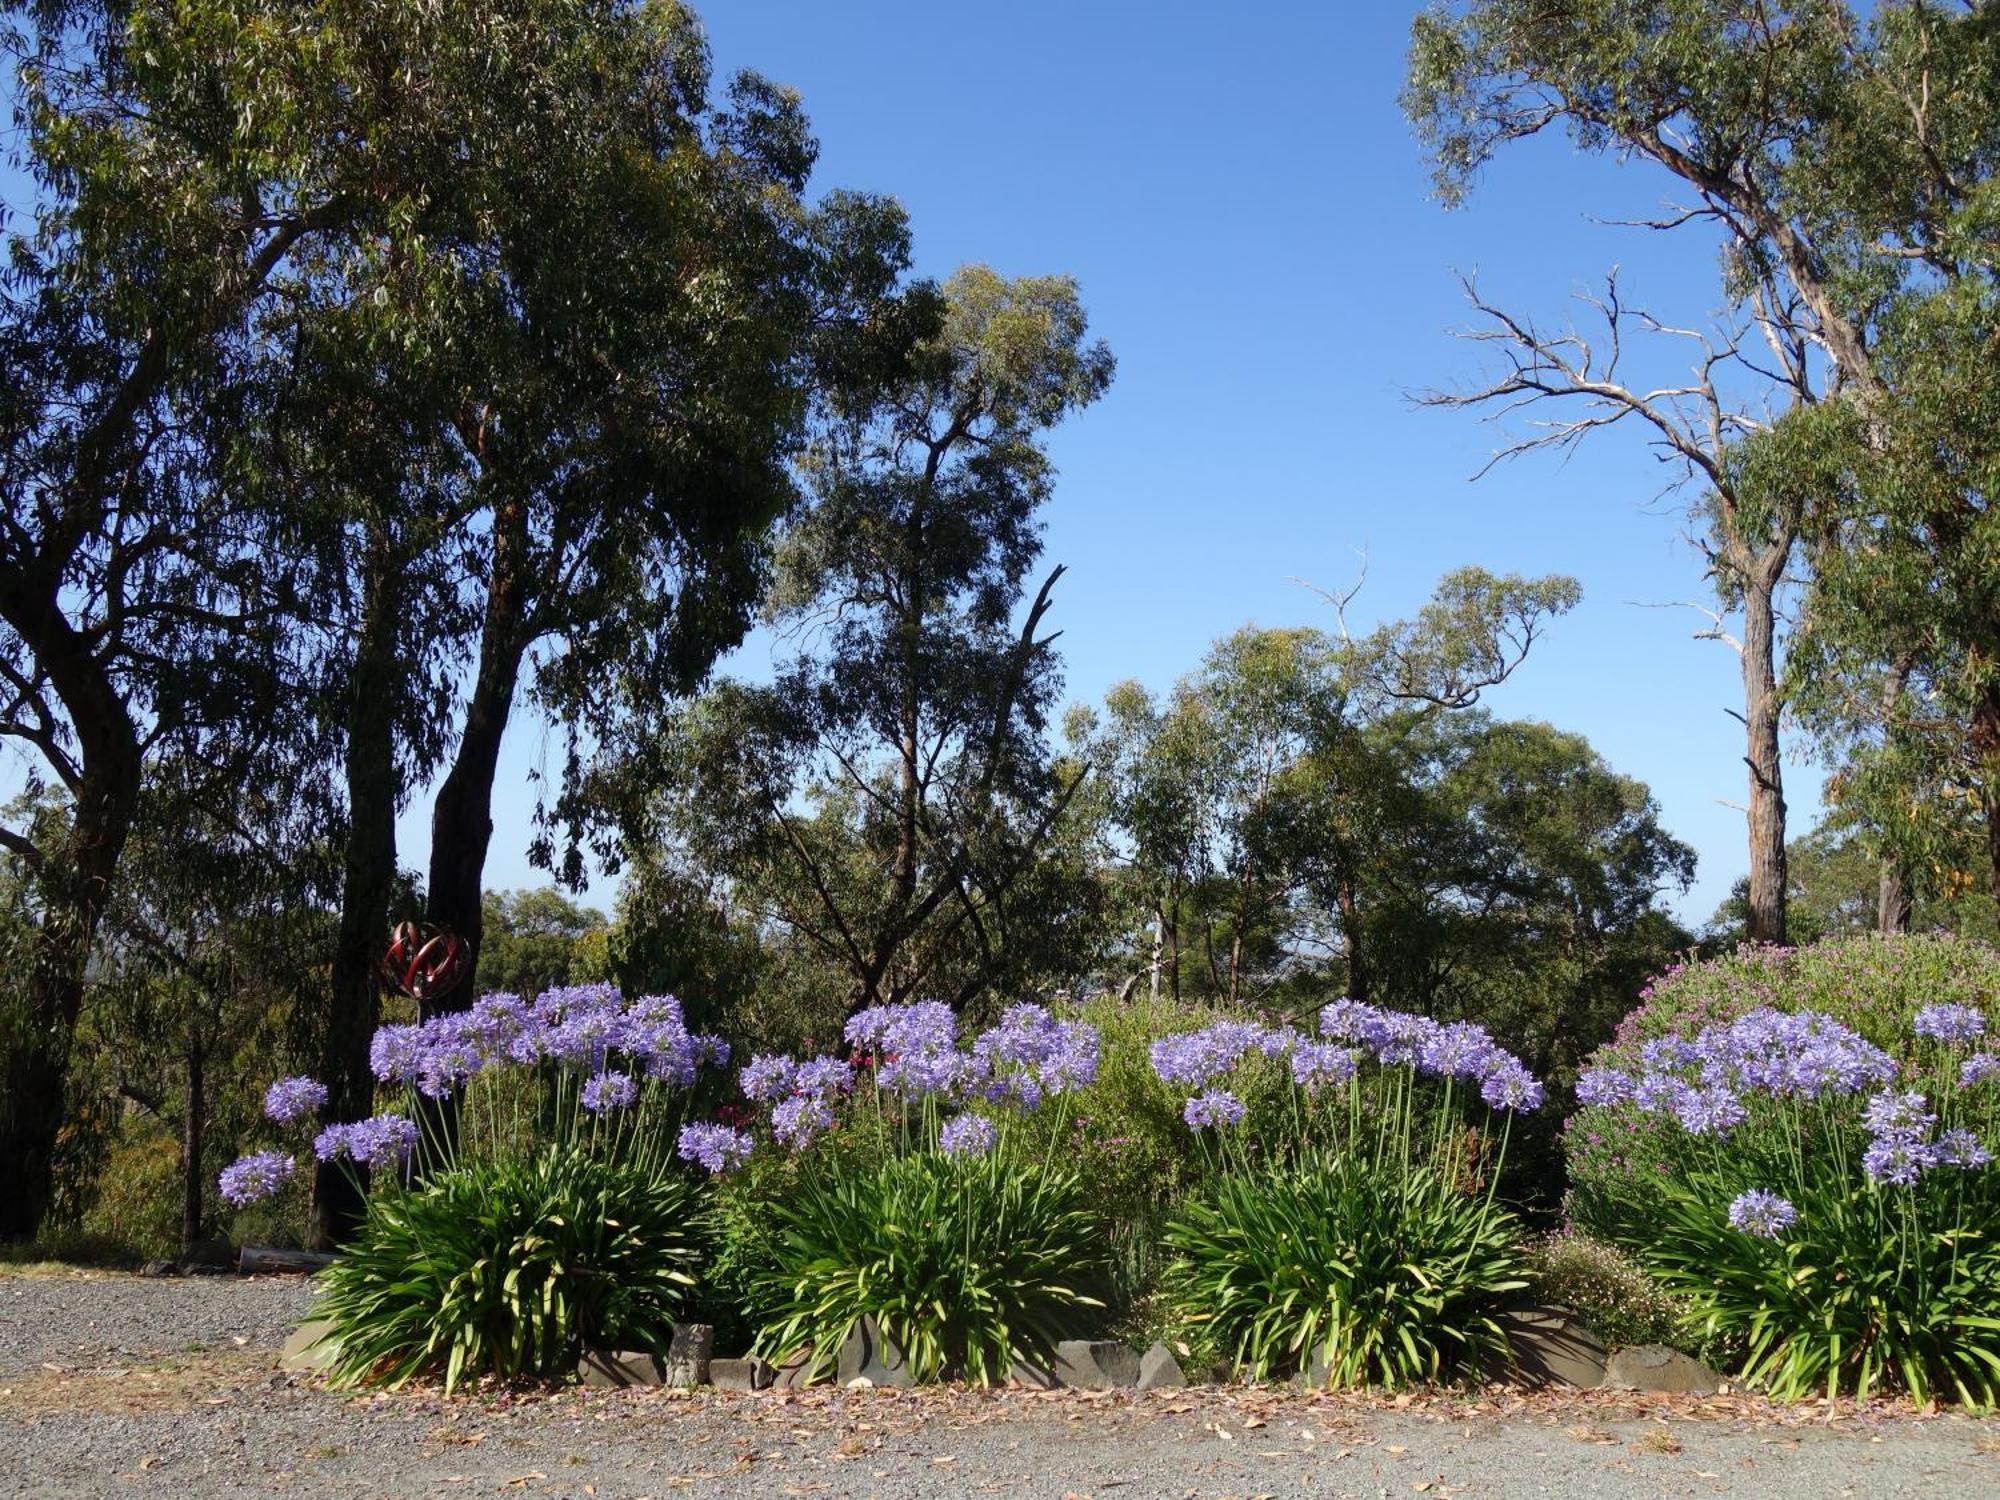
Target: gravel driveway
114,1386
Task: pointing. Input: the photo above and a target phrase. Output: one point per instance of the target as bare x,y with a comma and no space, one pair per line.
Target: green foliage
1621,1161
1385,1276
887,809
967,1264
1604,1286
512,1267
1875,1287
534,940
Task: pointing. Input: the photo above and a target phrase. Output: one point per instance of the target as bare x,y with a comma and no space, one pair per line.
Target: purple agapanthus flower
1712,1111
605,1092
1762,1213
1513,1088
1950,1023
823,1077
1460,1050
968,1135
290,1100
800,1119
1315,1065
1981,1067
255,1176
1217,1109
1898,1159
378,1141
1959,1147
1345,1020
1907,1113
768,1078
717,1147
1604,1086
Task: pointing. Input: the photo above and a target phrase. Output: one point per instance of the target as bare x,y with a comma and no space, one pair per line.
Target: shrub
968,1263
552,1211
1621,1158
1350,1218
903,1194
1604,1286
511,1268
1383,1276
1828,1207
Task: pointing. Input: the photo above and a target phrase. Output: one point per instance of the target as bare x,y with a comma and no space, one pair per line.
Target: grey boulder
1660,1370
1159,1370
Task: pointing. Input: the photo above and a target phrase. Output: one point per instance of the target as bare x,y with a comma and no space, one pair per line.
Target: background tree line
376,373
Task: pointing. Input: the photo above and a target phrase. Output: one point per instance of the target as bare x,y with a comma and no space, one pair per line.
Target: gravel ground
114,1386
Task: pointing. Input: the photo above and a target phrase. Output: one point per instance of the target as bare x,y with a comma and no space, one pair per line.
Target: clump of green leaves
1845,1300
967,1264
1361,1273
512,1268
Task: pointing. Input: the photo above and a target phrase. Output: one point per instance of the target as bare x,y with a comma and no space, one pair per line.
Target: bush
966,1263
1385,1276
1622,1159
1350,1211
1827,1205
511,1268
897,1191
1867,1289
1605,1287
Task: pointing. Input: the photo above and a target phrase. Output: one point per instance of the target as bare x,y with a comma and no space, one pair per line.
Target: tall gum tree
1844,161
889,801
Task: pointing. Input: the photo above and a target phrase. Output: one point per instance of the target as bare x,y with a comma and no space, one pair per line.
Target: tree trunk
368,883
194,1122
1359,980
1768,875
1893,901
462,817
73,886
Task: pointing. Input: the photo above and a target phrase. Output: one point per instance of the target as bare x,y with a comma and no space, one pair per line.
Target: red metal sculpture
425,963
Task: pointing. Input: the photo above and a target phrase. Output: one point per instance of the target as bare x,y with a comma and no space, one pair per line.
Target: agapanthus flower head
767,1077
1664,1052
717,1147
1460,1050
1714,1110
800,1120
1950,1023
1907,1113
1198,1057
1981,1067
1513,1088
290,1100
379,1141
1218,1109
1344,1019
608,1091
1604,1086
1657,1092
255,1176
1031,1054
396,1053
1959,1147
1898,1159
822,1077
1397,1038
968,1135
1762,1213
1317,1065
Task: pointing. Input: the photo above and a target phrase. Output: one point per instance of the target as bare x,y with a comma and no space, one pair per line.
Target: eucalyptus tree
888,800
1256,800
1843,163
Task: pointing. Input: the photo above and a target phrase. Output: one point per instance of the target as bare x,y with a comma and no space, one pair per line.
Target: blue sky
1246,211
